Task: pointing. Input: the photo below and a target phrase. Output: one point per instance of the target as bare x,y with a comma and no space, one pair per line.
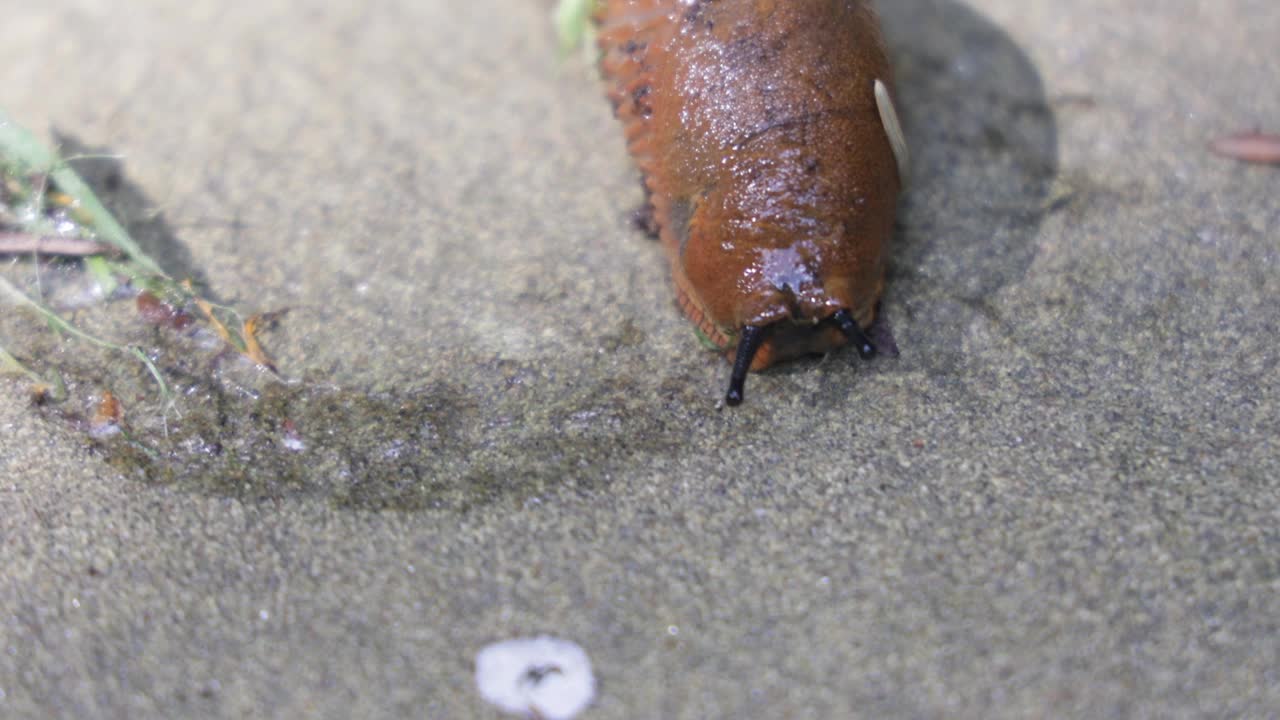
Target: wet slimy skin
773,159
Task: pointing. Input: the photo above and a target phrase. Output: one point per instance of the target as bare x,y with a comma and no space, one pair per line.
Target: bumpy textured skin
769,172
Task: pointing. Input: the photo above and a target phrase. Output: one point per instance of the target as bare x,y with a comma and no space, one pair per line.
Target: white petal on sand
540,677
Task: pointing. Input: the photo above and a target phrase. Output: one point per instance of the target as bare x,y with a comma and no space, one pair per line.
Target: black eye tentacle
752,338
850,328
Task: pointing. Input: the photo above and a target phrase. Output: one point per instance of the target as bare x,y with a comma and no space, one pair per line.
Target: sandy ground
1062,500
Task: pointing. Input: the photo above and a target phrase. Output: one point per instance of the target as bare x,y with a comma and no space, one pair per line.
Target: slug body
771,154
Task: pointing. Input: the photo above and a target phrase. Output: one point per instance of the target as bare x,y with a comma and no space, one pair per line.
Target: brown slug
772,158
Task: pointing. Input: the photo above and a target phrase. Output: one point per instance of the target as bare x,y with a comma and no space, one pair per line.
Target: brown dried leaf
251,347
41,393
221,329
108,411
158,312
248,331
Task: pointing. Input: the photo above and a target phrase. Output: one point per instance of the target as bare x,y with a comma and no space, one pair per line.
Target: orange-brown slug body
772,157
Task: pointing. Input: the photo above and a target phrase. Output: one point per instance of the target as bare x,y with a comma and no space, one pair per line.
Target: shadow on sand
984,154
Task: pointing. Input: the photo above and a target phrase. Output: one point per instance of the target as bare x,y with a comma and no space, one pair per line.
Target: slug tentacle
866,350
750,341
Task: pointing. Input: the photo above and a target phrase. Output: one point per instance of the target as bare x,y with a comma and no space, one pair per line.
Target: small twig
1252,146
18,243
23,150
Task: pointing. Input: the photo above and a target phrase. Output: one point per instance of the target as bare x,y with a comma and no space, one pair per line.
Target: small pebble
541,677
